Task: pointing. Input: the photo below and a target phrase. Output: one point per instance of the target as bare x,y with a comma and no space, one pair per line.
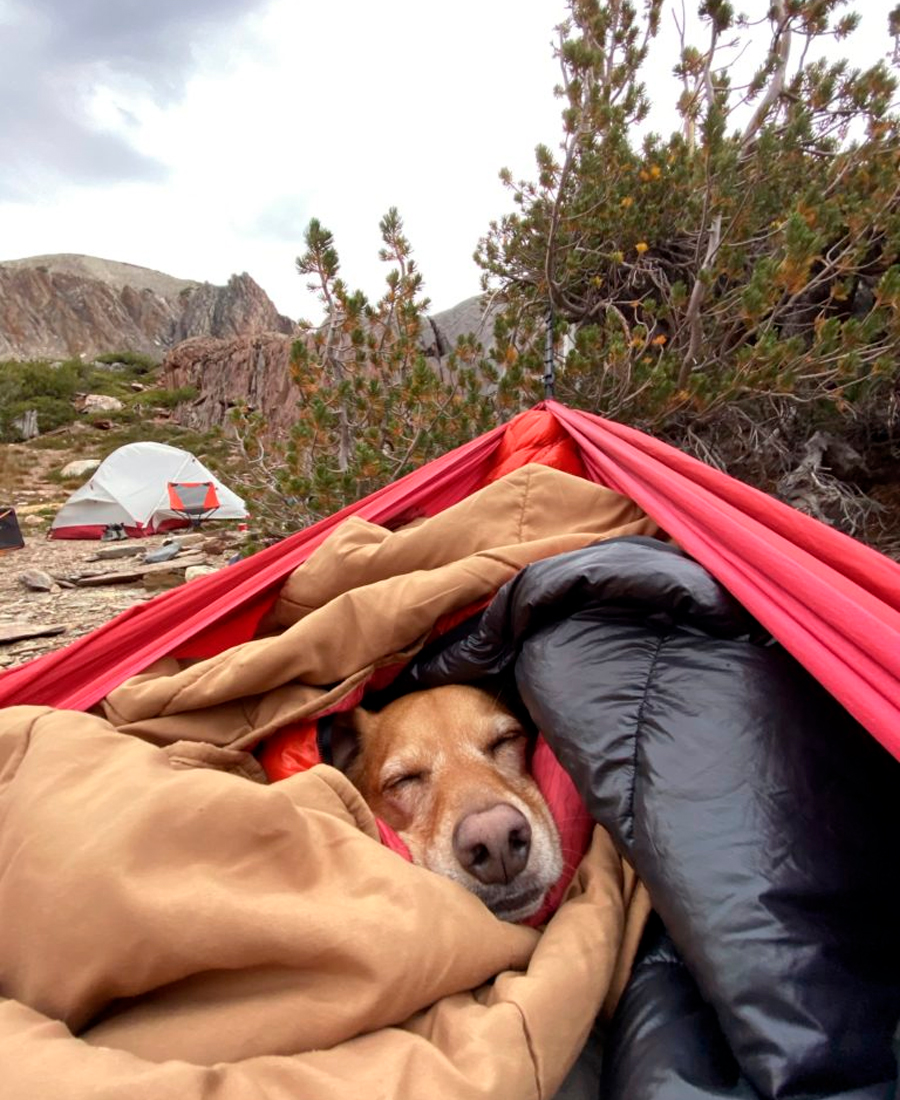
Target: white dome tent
130,488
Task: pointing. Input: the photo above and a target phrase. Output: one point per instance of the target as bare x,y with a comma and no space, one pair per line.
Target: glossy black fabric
665,1041
761,817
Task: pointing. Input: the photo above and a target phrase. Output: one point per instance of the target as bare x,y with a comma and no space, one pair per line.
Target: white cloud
247,127
337,112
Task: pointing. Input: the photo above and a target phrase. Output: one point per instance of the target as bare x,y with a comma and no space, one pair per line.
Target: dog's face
446,769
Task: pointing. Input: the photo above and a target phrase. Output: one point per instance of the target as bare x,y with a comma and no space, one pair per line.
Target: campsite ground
30,482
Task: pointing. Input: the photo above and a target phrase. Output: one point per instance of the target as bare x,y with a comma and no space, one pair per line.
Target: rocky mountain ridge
60,306
228,343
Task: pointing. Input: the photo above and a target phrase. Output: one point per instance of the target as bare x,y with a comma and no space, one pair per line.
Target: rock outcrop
55,307
256,370
468,316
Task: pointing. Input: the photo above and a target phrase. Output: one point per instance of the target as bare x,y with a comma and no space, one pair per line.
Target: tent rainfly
130,487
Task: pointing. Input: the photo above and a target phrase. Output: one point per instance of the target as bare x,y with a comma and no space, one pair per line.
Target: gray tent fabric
130,487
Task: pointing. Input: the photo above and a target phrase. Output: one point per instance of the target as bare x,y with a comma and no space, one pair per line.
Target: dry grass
16,470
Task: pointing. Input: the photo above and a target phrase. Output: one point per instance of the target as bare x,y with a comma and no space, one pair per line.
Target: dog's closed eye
404,782
511,740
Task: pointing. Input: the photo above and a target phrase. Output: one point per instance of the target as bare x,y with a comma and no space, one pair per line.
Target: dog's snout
493,845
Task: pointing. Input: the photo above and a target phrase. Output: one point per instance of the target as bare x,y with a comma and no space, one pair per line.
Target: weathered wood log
137,572
18,631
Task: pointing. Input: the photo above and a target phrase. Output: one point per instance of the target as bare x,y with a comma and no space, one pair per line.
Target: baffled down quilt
172,928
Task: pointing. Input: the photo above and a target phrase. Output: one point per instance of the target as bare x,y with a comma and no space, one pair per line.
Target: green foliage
163,398
52,412
745,266
370,406
21,381
141,364
210,447
48,389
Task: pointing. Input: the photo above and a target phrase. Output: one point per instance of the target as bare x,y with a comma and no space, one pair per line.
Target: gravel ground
81,609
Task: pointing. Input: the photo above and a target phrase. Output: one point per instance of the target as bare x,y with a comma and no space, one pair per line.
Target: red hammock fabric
832,602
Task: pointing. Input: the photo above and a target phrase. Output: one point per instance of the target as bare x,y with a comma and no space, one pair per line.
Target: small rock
194,571
27,424
138,387
37,580
218,544
81,467
168,578
192,542
99,402
33,521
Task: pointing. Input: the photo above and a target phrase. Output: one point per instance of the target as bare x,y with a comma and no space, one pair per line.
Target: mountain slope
69,305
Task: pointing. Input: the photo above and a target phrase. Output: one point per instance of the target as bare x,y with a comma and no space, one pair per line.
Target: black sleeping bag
762,818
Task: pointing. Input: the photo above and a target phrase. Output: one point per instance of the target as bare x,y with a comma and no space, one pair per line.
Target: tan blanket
171,929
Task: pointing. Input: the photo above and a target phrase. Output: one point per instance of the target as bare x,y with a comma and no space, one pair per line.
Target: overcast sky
198,137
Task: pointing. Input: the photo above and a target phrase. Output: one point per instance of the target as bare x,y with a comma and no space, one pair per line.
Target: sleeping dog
447,770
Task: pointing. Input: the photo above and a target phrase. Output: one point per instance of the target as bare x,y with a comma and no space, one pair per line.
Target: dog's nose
493,845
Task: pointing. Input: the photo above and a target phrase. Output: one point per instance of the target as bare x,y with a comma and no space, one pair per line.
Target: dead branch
782,39
698,293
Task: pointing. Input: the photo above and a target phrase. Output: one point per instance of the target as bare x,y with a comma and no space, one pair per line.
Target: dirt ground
76,608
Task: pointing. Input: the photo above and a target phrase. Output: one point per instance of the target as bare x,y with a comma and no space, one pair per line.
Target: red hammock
832,602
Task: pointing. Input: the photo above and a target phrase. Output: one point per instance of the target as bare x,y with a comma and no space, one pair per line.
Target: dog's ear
344,737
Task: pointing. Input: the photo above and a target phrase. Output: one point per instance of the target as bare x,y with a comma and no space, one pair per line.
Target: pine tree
737,281
370,405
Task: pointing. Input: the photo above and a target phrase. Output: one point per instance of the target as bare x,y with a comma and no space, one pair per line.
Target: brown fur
446,768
